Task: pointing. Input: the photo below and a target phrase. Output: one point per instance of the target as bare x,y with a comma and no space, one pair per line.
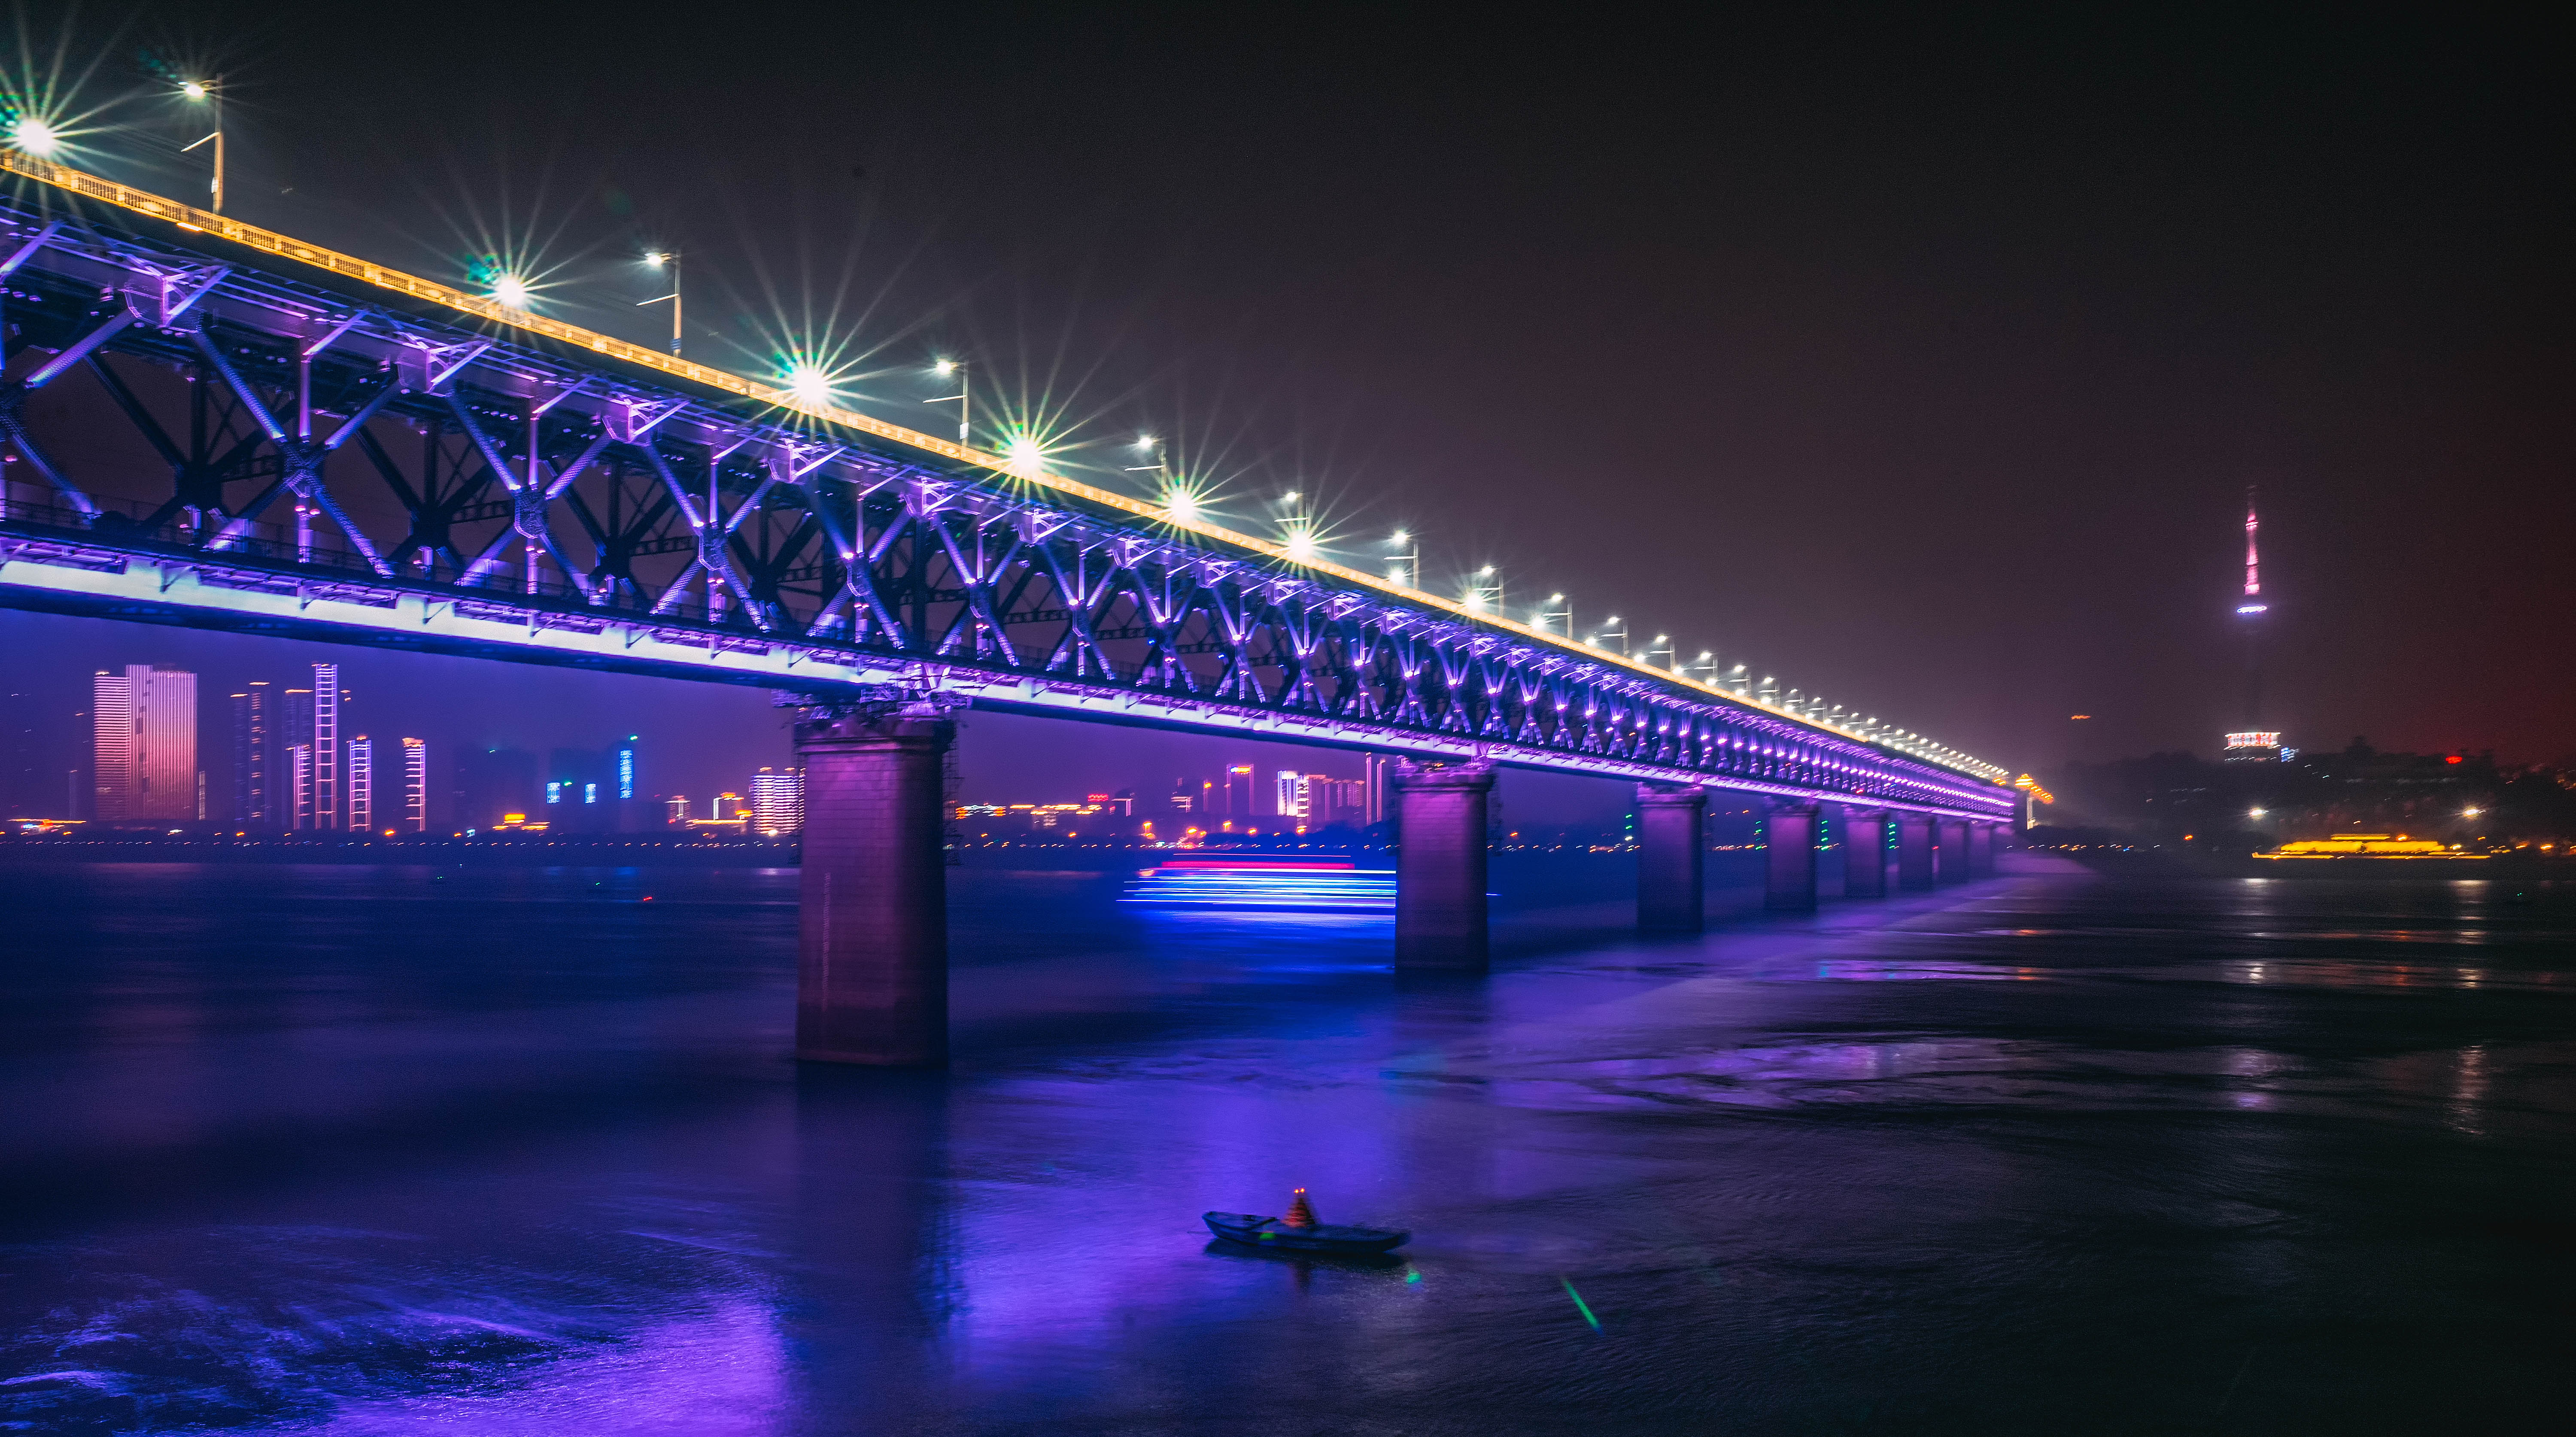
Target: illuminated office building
360,769
254,756
778,801
144,724
415,805
327,806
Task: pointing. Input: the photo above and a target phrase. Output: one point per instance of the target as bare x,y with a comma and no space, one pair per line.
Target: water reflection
394,1150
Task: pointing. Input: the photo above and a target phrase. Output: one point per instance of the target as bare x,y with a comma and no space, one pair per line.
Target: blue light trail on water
1282,886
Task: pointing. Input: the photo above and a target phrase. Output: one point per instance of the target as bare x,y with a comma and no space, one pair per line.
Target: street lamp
670,260
1408,547
1663,644
1540,618
964,398
1161,470
209,93
810,385
35,137
1706,661
1484,596
1621,633
511,291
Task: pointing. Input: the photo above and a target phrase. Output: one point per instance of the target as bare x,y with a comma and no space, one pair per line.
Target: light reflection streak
1318,886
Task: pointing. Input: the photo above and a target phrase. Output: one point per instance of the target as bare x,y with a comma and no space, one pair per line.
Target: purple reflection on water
407,1150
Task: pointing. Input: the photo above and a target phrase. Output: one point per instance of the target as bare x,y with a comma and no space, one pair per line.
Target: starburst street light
1408,547
670,260
1486,593
1027,456
33,136
1539,619
1181,503
209,93
1161,469
511,291
964,398
810,385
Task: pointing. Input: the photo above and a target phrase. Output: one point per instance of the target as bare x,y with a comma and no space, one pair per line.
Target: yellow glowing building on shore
2368,845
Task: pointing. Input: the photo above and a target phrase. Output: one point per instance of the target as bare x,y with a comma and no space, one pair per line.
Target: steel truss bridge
217,426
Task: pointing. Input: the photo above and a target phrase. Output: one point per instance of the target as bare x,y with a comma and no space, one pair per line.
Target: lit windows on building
778,801
144,737
415,809
361,770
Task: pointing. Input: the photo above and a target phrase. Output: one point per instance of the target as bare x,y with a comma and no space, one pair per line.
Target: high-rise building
1290,801
778,801
299,778
145,737
293,805
415,807
328,793
361,772
111,709
253,789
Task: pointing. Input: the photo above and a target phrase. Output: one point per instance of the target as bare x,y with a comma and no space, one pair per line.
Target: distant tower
2254,741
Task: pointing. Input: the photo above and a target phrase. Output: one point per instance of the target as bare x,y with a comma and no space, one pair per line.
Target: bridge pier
1789,857
1864,853
872,920
1982,838
1913,851
1950,854
1440,918
1672,884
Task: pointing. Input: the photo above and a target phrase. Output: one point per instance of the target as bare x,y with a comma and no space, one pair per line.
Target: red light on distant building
2455,758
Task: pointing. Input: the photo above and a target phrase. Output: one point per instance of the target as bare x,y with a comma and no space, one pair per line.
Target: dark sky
1922,361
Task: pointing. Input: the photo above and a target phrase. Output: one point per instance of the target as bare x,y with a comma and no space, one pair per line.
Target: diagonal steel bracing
437,456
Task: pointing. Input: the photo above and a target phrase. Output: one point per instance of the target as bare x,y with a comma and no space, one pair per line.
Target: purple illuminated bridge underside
380,469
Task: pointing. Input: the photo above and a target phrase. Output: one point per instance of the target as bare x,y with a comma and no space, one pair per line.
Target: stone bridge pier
872,919
1440,866
1672,870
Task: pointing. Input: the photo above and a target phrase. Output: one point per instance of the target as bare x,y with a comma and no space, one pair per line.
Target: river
347,1149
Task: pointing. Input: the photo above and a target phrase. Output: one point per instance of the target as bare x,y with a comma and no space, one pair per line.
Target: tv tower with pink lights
2253,741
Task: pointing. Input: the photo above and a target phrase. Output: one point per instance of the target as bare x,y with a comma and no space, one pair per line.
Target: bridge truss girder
195,439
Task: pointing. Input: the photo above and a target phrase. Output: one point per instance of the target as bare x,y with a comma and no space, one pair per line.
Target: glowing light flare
194,90
1301,544
511,291
1027,457
810,385
35,136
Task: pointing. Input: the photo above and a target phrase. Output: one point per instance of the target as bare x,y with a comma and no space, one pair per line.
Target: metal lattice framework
217,426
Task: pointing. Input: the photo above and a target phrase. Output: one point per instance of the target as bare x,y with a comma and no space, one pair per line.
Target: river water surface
414,1149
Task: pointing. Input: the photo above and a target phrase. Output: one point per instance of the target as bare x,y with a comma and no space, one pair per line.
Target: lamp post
1544,614
964,398
1485,597
1663,644
209,93
1620,633
1408,547
1706,661
670,260
1160,469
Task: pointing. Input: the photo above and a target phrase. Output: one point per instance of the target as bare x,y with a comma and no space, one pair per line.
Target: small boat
1299,1232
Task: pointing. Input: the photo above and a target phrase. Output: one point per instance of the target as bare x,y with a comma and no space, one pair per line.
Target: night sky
1921,361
